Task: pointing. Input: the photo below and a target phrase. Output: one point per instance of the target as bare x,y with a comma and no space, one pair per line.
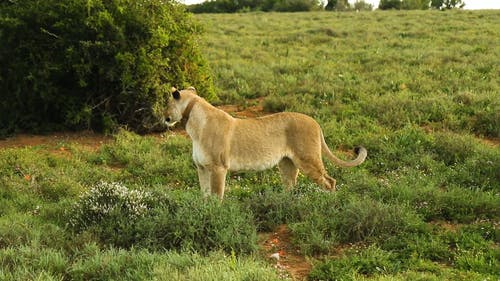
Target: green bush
325,220
368,262
424,245
186,221
485,261
396,150
479,111
465,247
94,64
270,208
159,220
420,191
314,230
109,203
471,164
364,218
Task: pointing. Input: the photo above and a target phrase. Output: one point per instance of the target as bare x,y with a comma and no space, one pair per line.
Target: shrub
110,212
472,166
184,220
275,103
92,64
473,250
120,264
397,149
90,262
217,266
487,121
365,218
426,245
109,203
466,206
485,261
314,230
370,261
270,208
325,221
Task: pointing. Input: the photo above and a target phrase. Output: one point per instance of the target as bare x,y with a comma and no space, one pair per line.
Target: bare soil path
85,138
277,247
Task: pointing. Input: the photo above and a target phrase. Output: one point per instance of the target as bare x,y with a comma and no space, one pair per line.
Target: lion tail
360,151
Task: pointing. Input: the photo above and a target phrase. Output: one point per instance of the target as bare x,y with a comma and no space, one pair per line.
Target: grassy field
419,90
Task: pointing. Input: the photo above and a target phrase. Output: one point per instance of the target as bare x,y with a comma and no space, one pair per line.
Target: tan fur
221,143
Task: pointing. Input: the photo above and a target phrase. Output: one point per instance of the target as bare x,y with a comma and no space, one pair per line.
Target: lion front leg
204,178
218,180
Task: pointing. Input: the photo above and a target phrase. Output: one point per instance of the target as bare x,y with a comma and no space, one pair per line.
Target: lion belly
251,151
255,162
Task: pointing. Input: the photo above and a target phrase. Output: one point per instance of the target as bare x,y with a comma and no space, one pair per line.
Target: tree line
234,6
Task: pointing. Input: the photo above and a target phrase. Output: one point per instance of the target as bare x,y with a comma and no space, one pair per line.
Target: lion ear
175,93
192,89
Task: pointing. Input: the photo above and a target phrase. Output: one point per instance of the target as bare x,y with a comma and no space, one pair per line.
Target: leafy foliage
94,64
126,218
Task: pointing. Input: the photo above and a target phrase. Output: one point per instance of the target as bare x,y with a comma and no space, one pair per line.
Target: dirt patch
86,139
451,227
278,249
239,111
491,141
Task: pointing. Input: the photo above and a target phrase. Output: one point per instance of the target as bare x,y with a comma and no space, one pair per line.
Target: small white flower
105,198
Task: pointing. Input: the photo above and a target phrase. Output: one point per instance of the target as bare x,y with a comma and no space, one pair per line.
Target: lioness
222,143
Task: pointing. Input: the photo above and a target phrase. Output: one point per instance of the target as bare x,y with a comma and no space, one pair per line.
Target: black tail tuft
357,149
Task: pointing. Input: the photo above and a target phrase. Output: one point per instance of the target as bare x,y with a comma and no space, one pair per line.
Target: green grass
93,263
417,89
427,68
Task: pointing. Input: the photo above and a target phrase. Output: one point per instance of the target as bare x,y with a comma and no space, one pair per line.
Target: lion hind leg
315,170
331,181
325,181
289,172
